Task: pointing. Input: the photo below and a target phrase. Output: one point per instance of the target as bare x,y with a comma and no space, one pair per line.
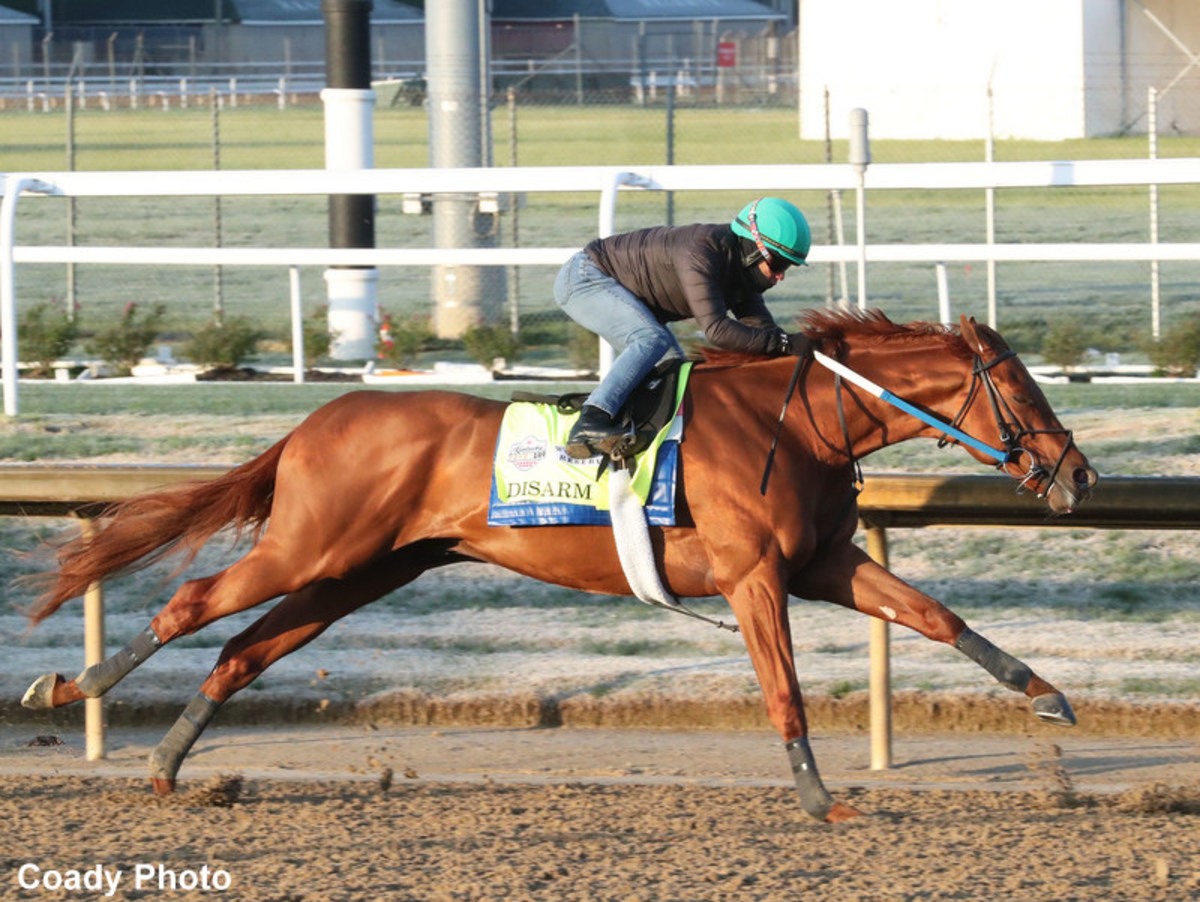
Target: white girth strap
634,550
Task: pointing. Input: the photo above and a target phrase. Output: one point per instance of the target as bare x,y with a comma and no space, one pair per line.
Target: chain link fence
665,110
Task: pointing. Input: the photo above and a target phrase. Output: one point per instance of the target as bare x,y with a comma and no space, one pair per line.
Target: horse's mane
830,328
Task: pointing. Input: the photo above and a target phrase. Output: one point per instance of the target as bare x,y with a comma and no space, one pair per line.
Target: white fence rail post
8,291
297,325
943,291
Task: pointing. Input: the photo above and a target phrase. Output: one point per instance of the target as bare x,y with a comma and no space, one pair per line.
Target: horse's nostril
1082,477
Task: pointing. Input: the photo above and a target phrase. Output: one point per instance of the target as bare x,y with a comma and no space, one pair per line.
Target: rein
787,399
1010,429
924,416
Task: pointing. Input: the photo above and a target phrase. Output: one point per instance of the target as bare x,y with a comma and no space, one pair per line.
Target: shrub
124,345
317,337
1177,353
1065,344
487,343
223,343
1024,335
44,334
400,342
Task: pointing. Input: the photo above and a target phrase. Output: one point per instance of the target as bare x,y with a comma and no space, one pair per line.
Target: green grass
637,647
25,447
1169,688
265,137
262,137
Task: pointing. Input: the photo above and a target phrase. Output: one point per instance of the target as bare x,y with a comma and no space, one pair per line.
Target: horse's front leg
760,604
845,575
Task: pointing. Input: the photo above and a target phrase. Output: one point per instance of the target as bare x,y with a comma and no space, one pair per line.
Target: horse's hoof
163,786
41,693
1054,708
841,812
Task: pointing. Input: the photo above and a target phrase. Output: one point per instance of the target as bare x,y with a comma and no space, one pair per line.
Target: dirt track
356,813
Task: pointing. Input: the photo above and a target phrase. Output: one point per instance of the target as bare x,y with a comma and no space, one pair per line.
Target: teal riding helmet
777,227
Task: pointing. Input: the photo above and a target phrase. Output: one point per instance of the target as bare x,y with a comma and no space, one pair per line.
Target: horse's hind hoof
841,812
41,693
1053,707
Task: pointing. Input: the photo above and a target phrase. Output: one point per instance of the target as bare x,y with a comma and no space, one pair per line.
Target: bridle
1011,430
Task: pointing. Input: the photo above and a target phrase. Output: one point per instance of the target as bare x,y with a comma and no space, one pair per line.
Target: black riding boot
593,433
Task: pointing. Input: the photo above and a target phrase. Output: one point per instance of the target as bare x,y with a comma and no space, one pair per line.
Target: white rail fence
606,181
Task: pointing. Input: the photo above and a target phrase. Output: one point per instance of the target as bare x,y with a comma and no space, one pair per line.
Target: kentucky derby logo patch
527,453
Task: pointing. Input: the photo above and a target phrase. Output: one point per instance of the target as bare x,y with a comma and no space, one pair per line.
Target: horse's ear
966,325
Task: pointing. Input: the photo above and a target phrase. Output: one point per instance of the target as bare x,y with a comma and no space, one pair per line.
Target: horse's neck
923,376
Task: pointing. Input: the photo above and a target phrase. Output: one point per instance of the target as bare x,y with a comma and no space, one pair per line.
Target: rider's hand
797,344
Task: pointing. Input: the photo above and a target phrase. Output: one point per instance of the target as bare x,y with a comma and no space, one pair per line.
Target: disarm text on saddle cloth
534,482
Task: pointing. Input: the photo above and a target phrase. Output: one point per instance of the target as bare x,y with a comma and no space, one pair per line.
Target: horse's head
1004,403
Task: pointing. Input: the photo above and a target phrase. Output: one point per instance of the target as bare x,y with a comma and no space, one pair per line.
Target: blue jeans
600,303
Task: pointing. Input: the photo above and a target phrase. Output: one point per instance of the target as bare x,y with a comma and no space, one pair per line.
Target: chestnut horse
374,489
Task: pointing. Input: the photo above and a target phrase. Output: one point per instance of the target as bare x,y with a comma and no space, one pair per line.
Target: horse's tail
142,530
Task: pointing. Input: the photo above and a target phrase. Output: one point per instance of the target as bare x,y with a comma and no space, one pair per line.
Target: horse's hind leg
296,620
265,572
847,576
52,690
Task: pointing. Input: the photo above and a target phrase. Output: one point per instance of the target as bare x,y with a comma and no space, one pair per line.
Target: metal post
69,105
670,149
464,295
46,59
881,667
578,60
349,144
93,653
112,65
514,217
989,155
860,159
837,231
218,238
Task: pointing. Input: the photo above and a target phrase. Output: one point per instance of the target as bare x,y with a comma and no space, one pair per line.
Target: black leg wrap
99,678
1003,666
814,797
167,756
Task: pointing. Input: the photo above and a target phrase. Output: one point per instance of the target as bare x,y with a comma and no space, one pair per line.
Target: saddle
650,408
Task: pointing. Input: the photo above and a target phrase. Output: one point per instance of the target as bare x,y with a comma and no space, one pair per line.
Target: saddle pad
535,483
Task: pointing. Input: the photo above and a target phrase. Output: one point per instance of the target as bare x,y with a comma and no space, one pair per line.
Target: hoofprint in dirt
1039,759
399,834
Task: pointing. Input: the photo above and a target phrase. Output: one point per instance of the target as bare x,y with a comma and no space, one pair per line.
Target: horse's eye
1020,398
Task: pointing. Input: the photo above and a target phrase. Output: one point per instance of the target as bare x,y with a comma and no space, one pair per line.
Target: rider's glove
795,344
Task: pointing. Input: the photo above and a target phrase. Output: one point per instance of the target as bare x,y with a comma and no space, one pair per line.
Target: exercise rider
626,287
